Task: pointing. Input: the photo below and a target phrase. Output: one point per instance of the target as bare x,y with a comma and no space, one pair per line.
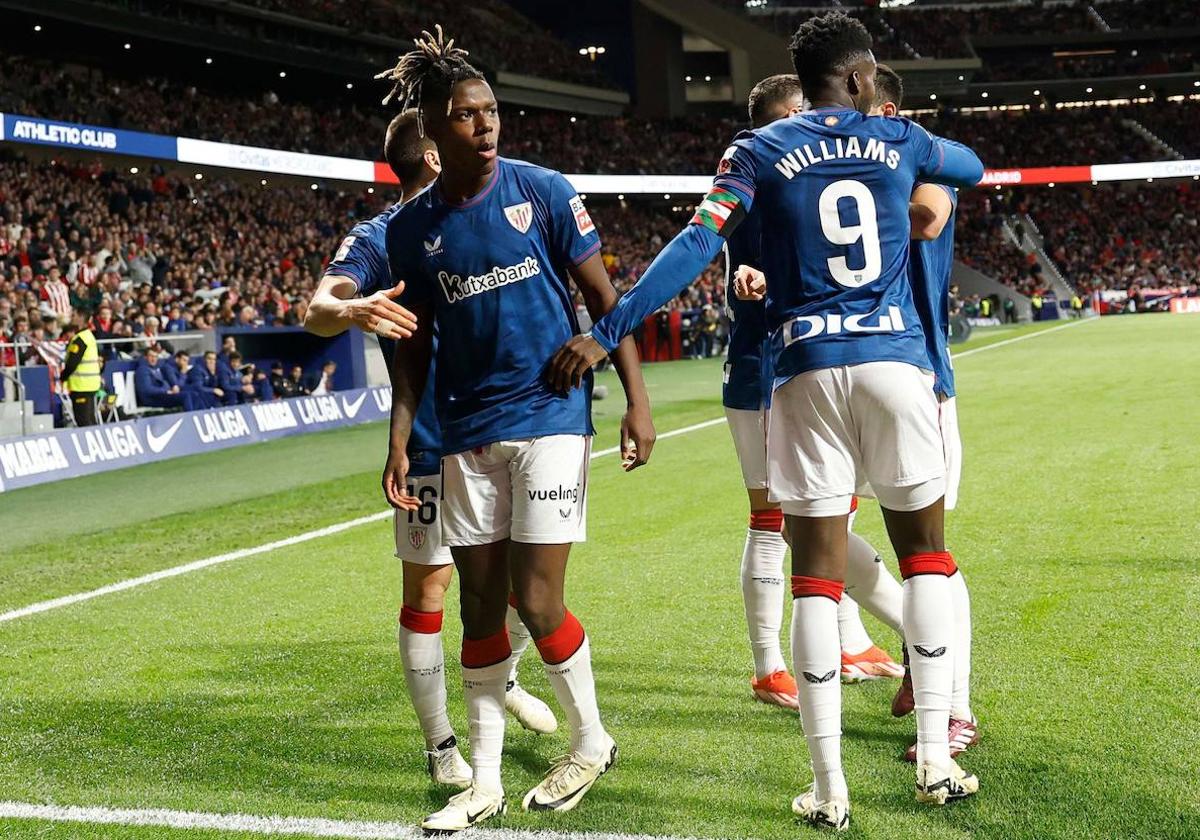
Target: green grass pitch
271,685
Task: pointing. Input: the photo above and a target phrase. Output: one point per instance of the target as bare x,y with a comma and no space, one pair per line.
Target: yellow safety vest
86,377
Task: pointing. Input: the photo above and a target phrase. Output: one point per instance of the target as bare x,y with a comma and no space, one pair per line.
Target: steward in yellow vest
81,371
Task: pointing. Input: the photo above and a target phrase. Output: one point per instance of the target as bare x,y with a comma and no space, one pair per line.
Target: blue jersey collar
478,197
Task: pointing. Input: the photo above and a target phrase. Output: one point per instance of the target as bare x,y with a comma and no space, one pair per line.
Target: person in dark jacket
156,386
178,367
281,384
234,382
205,384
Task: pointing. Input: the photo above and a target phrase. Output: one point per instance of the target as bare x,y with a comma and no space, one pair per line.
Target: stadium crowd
148,254
494,28
915,31
569,143
1120,236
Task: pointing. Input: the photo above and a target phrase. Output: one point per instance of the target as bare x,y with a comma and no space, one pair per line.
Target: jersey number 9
867,230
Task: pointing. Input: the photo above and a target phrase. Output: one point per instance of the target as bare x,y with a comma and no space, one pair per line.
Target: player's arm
928,210
336,306
943,161
74,357
637,427
409,374
675,267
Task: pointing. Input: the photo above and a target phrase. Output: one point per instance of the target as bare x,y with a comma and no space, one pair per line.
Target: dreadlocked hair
428,73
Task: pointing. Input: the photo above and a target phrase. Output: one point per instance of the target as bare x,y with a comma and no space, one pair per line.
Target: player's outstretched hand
637,437
749,283
380,314
395,482
574,359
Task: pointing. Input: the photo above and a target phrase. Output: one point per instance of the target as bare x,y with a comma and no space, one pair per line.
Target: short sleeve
573,234
361,257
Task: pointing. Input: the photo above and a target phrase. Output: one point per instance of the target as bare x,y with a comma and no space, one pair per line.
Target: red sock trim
770,519
804,586
927,563
561,644
480,653
853,503
512,600
420,622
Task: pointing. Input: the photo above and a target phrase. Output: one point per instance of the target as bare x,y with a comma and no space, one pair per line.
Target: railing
16,380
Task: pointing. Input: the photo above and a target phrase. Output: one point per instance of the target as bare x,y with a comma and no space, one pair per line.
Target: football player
357,289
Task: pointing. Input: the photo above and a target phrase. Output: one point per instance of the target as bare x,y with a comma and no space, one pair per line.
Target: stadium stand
494,28
570,143
1120,236
194,255
916,31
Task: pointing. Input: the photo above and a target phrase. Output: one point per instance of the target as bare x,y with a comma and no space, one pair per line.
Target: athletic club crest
520,215
416,537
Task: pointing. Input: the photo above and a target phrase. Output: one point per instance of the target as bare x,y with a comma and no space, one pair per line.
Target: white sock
519,638
483,689
575,688
872,585
929,627
762,594
853,635
960,700
817,657
424,674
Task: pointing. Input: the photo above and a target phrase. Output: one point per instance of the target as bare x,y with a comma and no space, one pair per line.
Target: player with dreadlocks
357,290
486,254
852,396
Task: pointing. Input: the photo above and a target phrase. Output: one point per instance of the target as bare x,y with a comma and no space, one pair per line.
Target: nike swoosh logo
351,408
159,442
473,818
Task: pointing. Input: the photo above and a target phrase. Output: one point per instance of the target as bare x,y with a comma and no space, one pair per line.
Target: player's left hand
637,437
749,283
572,361
395,482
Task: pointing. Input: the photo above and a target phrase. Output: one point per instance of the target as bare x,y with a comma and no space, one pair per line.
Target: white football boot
940,785
570,777
529,711
466,809
447,766
833,814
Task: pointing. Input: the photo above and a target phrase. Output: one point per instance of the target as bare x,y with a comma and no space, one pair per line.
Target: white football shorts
530,491
749,430
833,429
952,445
419,532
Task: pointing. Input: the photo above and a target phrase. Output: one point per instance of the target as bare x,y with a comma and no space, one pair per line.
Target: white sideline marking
966,353
175,571
312,826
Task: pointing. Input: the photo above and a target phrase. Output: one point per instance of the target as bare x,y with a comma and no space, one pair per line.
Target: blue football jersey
494,270
362,257
831,190
748,374
930,264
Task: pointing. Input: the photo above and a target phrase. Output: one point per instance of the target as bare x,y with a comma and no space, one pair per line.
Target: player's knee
541,615
425,589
